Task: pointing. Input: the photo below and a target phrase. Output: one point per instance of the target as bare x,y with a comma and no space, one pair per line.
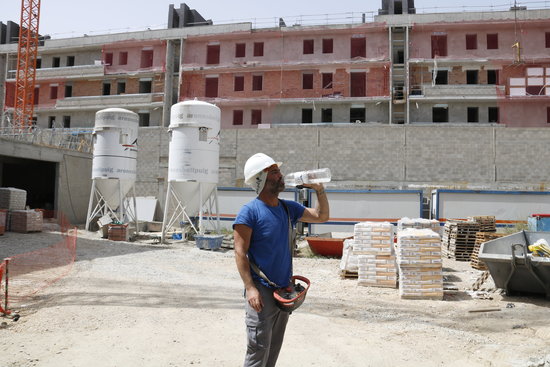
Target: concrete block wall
363,156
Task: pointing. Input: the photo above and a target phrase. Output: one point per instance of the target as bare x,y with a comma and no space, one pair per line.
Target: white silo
114,164
193,163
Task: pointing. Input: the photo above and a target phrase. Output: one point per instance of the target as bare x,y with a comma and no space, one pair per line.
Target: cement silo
114,165
193,164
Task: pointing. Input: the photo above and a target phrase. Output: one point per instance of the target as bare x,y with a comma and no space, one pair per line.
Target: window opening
238,83
256,117
358,47
327,46
240,50
212,54
473,114
237,117
257,82
439,45
326,114
308,47
211,87
327,80
471,42
472,76
307,81
357,114
307,115
258,48
440,114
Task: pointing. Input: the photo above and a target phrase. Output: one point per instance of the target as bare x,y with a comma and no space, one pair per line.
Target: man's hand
254,299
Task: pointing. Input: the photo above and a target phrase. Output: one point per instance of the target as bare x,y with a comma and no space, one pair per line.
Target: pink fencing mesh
25,274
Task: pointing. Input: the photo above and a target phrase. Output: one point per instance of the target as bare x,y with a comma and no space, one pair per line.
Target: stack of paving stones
24,221
349,262
12,198
482,237
420,264
459,238
373,245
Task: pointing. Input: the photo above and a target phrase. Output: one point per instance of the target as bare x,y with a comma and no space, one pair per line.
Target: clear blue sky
72,18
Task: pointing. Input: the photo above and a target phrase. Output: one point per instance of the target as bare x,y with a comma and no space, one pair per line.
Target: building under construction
396,67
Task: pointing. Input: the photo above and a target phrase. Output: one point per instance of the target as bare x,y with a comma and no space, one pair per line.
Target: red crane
27,51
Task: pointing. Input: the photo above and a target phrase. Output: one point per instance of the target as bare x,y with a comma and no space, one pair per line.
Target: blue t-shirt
269,248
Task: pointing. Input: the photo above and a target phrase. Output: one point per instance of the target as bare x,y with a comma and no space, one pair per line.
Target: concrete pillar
168,83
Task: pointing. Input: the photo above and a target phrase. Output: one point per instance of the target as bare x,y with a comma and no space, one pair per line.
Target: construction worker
261,232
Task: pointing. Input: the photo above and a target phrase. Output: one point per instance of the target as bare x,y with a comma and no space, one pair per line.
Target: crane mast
27,51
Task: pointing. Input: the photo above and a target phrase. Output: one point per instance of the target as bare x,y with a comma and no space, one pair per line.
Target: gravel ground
142,303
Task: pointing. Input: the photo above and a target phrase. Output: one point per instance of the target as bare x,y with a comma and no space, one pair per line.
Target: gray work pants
265,331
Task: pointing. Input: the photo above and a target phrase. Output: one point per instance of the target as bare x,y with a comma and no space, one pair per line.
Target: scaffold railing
79,139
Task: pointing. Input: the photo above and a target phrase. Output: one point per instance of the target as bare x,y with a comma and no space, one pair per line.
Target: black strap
257,270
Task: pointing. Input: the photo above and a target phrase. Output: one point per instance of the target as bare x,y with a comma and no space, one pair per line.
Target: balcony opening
493,114
440,114
145,86
473,114
358,84
211,87
307,81
146,58
308,47
256,117
492,41
144,118
358,47
327,80
357,114
471,42
307,115
327,46
239,83
238,117
106,89
108,58
326,114
67,122
439,45
492,76
120,87
472,76
212,54
240,50
442,77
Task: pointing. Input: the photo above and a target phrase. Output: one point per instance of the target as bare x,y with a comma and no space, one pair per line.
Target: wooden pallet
482,237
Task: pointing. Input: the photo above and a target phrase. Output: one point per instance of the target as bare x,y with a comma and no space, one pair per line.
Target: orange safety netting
25,274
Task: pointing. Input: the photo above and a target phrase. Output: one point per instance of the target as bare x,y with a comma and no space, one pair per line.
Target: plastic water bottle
308,177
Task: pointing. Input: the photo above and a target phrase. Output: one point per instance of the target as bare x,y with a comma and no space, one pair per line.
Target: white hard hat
253,168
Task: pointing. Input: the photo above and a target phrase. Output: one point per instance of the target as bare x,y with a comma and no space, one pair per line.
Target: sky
73,18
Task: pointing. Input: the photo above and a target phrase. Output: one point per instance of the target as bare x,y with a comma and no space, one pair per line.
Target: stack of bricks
24,221
420,264
373,244
3,219
118,232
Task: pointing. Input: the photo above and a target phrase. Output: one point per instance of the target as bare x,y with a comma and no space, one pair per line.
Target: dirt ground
146,304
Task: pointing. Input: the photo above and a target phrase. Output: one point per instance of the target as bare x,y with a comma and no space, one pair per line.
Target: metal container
513,267
115,153
539,222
